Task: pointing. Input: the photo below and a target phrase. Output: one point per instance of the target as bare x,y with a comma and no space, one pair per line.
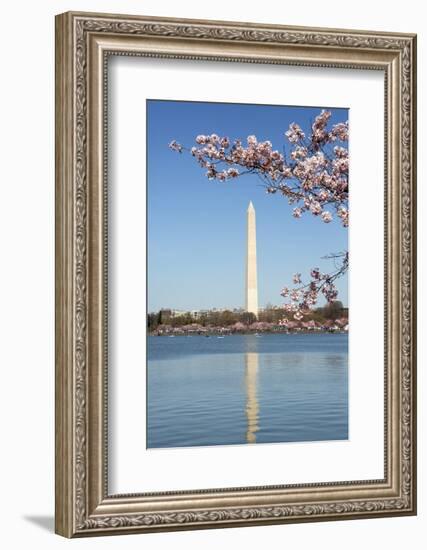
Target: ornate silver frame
83,505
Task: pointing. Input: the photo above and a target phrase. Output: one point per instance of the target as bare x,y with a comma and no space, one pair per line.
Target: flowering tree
313,177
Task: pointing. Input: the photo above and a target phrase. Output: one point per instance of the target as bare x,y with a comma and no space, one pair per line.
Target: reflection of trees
252,405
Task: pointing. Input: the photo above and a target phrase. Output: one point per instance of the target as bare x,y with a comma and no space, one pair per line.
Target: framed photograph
233,347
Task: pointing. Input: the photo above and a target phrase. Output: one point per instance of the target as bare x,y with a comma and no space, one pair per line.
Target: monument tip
251,206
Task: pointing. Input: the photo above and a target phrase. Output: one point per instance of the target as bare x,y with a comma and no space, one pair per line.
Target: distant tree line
226,318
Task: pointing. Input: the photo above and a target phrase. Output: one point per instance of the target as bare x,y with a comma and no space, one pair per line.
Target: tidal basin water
246,389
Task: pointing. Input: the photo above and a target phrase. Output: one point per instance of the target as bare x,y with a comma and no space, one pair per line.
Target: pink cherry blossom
326,216
201,139
294,134
175,146
296,278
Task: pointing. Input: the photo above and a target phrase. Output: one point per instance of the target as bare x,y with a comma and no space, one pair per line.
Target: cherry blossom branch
314,179
305,295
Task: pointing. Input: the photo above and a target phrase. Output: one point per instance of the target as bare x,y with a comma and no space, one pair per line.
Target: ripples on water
246,389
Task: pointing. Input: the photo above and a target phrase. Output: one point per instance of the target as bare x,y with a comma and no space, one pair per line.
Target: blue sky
197,227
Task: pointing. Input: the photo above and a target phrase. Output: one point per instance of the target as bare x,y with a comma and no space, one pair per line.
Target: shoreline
209,334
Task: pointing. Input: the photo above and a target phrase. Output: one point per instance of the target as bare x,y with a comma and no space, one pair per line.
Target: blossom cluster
313,177
305,295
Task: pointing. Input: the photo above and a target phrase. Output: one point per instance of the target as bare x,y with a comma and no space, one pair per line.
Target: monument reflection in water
252,405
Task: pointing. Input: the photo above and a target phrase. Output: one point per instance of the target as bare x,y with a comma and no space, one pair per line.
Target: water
246,389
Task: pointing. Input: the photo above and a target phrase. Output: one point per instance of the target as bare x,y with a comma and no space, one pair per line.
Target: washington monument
251,268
